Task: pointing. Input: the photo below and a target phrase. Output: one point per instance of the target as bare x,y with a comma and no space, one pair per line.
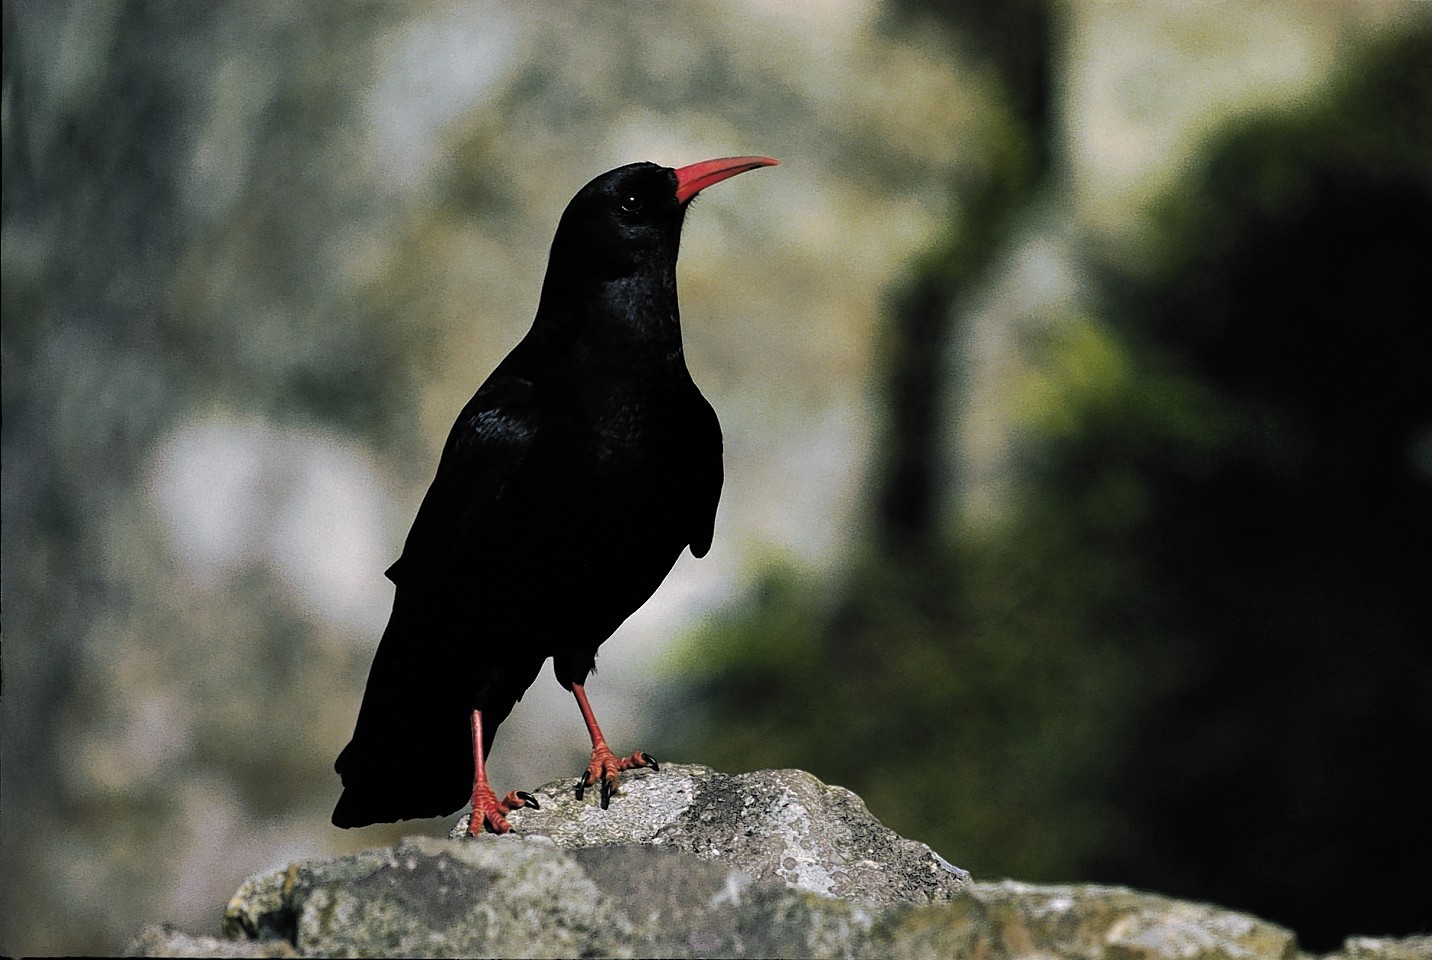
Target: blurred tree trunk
1015,43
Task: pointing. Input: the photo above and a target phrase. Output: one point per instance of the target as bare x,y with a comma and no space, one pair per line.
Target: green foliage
864,694
1288,559
975,698
1194,656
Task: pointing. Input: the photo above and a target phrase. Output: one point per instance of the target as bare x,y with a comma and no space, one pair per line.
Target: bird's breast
633,445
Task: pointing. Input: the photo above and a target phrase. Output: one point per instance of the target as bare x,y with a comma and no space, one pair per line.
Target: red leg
605,765
488,811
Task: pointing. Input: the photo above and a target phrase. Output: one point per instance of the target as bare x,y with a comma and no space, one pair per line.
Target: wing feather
706,483
486,446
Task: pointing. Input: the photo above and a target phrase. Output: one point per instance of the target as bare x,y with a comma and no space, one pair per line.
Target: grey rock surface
772,824
694,863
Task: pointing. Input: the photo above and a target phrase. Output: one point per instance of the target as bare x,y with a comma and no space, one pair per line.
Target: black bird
567,488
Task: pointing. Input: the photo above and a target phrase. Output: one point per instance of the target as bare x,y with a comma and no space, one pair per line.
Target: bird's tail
406,772
411,752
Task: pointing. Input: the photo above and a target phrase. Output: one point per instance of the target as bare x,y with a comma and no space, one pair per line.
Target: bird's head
632,215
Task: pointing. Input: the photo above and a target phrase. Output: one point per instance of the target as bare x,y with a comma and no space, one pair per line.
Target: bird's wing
706,484
487,444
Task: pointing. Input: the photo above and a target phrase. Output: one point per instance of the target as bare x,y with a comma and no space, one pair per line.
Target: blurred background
1074,370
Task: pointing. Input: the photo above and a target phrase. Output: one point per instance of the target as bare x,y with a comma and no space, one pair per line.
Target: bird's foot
488,812
605,767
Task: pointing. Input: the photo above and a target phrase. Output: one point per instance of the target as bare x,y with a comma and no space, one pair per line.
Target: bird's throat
637,311
645,308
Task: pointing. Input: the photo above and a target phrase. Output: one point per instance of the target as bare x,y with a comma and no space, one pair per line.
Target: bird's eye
631,204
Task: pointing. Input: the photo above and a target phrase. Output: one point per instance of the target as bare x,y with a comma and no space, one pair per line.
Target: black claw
651,762
582,785
528,800
607,787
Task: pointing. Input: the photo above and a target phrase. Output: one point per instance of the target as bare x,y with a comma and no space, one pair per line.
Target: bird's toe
518,799
605,768
487,820
609,786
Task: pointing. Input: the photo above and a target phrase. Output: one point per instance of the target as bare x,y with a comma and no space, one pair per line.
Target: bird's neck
636,311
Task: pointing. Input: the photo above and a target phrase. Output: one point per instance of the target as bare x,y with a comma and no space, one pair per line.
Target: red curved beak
692,179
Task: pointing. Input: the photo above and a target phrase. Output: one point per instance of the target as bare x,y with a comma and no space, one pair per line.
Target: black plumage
566,490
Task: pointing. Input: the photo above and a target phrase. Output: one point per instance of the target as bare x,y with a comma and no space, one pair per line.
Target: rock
1011,919
526,897
772,824
162,940
1386,948
690,862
